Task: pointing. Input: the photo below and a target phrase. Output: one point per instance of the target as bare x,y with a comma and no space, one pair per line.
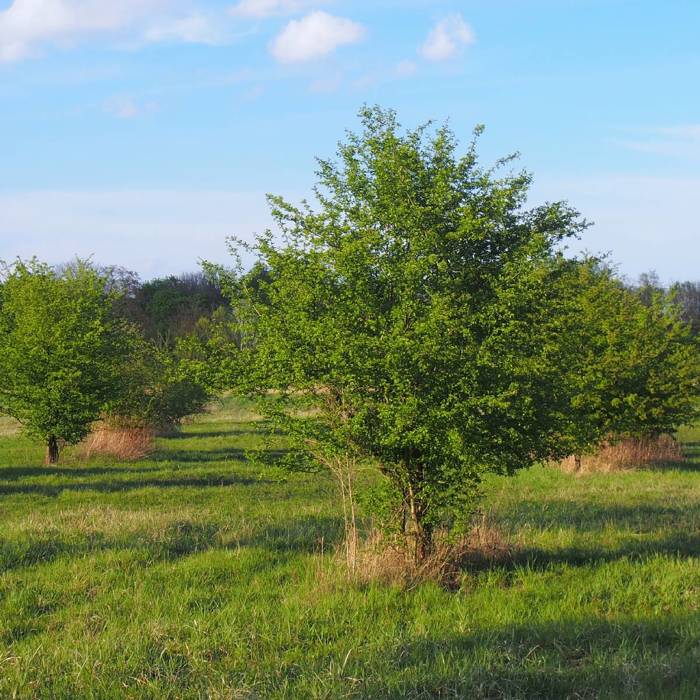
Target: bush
159,394
408,315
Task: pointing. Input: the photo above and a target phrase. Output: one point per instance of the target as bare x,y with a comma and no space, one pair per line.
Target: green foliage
209,354
631,364
61,349
407,315
687,296
170,308
160,391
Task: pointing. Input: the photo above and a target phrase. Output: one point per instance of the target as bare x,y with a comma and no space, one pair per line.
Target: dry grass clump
8,426
123,442
391,559
629,453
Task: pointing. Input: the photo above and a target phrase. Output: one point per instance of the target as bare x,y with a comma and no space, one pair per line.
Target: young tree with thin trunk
408,313
62,350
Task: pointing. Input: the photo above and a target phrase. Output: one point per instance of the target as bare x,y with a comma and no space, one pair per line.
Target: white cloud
28,26
316,35
446,38
253,93
270,8
683,131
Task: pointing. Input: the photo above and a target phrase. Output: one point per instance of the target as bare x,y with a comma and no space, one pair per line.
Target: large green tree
409,312
62,350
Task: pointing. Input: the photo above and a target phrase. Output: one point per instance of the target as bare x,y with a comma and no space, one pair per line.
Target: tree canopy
629,362
410,310
62,349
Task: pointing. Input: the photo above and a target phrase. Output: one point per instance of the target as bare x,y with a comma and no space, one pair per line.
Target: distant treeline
168,308
165,308
686,295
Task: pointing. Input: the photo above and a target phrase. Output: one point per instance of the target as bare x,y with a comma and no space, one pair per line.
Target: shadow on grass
193,456
635,529
301,535
283,539
690,464
305,535
682,544
687,466
590,516
15,473
646,658
228,454
132,484
233,431
692,451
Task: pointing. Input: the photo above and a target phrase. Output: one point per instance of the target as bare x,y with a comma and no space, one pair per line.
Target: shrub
160,394
62,350
407,316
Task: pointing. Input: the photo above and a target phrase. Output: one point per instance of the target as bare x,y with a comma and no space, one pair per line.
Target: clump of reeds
628,453
121,440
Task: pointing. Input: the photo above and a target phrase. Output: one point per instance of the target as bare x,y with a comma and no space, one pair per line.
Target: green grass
191,574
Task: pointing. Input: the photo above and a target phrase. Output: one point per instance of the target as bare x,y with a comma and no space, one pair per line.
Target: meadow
194,574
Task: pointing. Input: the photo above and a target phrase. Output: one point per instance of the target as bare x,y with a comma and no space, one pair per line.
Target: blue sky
143,132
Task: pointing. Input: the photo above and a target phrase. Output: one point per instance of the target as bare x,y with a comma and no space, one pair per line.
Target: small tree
631,365
61,349
158,389
408,313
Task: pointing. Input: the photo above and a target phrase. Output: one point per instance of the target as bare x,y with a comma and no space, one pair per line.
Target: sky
144,132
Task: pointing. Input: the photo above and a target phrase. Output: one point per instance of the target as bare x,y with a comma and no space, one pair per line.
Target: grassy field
191,574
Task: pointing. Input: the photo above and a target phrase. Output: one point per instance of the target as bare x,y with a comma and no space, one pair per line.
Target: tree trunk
577,463
52,450
422,533
424,542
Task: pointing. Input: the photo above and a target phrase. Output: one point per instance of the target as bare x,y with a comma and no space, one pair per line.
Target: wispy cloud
447,38
327,84
271,8
405,69
680,141
128,107
253,93
150,231
29,27
195,28
316,35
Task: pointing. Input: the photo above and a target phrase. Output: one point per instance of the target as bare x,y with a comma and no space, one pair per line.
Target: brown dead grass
9,426
629,453
391,559
127,443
